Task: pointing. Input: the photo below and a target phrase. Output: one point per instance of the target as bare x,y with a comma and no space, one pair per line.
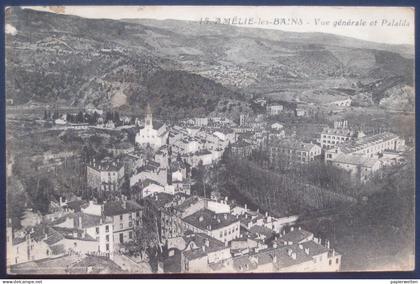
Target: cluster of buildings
76,227
363,156
152,181
214,235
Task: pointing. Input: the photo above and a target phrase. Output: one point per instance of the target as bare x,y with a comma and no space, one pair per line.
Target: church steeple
148,118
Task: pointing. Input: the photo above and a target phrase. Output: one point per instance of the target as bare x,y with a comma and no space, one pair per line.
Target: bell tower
148,118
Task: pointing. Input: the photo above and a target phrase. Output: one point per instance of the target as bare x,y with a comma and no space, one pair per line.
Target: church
153,134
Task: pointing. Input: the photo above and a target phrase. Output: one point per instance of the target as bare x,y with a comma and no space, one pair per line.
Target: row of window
228,231
336,137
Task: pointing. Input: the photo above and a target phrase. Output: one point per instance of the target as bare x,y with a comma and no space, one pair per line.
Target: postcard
209,139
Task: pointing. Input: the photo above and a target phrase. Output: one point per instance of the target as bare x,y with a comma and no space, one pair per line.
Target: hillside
68,60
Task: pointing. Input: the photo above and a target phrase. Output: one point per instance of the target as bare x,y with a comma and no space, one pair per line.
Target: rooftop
106,164
208,220
355,159
296,236
366,141
203,240
292,144
113,208
160,199
338,131
87,220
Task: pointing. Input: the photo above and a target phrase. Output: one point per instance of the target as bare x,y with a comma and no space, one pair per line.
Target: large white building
153,134
331,137
105,175
363,157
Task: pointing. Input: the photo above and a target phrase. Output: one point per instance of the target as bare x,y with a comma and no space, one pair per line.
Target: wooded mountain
69,60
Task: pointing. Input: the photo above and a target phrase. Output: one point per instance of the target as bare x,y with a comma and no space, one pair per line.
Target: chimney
266,214
100,221
203,248
200,219
307,251
293,255
327,244
225,216
80,222
206,242
274,245
299,228
246,206
300,246
292,229
289,252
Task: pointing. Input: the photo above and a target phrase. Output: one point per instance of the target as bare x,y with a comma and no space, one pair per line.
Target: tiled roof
57,249
314,248
355,159
114,208
68,233
160,199
53,237
338,131
106,164
296,236
88,220
187,203
261,230
208,220
241,143
75,205
200,240
363,142
243,263
292,144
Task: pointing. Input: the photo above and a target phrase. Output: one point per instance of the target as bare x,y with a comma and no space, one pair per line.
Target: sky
393,25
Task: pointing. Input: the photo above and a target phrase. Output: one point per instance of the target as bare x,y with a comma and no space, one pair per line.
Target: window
97,230
107,247
107,238
137,214
121,217
130,235
337,260
107,229
221,234
130,224
330,262
121,226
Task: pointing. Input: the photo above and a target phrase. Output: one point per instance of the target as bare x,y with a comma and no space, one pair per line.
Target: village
137,208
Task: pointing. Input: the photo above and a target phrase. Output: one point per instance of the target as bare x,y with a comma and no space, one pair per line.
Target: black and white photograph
209,139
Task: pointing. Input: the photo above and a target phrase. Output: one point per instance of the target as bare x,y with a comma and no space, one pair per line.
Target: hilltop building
153,134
